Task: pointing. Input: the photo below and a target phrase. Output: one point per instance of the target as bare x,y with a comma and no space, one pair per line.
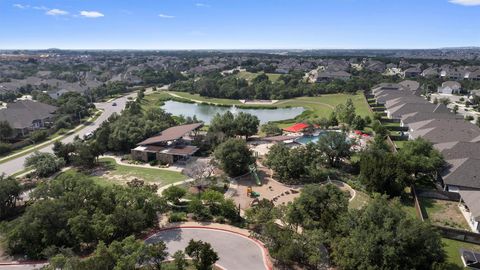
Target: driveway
15,165
236,252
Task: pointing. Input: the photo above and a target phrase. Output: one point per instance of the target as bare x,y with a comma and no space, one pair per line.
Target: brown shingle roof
171,134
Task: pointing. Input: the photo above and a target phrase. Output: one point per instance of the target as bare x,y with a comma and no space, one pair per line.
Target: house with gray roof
398,111
444,130
412,72
25,116
333,75
450,87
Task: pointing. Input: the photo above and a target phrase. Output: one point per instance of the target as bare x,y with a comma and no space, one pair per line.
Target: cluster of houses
457,140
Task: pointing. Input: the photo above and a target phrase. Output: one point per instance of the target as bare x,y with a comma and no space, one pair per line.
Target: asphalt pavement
236,252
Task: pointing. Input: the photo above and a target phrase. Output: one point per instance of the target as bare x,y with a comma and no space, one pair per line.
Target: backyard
452,252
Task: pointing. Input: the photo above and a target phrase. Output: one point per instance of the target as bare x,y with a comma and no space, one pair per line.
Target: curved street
12,166
236,251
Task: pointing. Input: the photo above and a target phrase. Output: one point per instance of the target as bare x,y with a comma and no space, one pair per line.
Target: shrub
177,217
38,136
5,148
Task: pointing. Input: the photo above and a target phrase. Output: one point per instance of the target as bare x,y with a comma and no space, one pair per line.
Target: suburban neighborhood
235,135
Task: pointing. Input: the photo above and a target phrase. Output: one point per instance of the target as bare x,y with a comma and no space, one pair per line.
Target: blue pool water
310,139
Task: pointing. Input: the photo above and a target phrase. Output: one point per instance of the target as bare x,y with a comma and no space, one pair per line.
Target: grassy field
319,106
452,247
119,174
250,76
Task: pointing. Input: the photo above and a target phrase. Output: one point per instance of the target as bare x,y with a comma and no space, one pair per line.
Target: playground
246,191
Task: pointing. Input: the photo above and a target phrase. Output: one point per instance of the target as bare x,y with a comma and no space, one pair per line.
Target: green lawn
319,106
250,76
123,172
452,247
361,199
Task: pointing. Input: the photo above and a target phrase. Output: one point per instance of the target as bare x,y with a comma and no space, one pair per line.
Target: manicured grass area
400,144
319,106
452,253
444,213
123,172
250,75
361,199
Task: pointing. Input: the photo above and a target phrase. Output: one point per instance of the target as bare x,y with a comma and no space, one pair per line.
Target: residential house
431,73
412,72
169,146
333,75
450,87
25,116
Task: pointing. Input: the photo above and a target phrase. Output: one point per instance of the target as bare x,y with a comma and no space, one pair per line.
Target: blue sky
238,24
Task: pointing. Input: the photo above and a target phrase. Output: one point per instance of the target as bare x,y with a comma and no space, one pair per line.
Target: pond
205,112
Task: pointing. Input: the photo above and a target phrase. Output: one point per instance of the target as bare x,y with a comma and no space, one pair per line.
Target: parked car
114,104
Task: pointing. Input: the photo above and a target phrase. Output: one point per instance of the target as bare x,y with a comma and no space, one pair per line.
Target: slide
253,170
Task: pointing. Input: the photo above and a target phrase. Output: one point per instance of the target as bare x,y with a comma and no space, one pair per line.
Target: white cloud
91,14
21,6
165,16
56,12
40,8
201,5
466,2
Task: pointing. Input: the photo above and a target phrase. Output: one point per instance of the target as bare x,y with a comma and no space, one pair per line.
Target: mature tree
318,207
335,147
419,156
6,131
156,254
179,260
234,157
358,123
9,193
86,154
174,193
381,236
44,164
64,151
262,213
271,129
346,112
223,123
202,254
247,124
323,123
382,172
72,211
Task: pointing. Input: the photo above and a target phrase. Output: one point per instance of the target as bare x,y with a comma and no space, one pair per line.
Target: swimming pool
306,139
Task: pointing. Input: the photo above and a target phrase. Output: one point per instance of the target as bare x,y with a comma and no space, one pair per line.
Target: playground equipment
253,171
251,193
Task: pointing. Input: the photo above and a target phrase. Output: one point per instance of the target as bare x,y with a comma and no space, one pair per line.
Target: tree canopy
234,157
381,236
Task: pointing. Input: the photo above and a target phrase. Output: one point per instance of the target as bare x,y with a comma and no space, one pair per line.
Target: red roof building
299,127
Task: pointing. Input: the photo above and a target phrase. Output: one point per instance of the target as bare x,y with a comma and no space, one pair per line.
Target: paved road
236,252
15,165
